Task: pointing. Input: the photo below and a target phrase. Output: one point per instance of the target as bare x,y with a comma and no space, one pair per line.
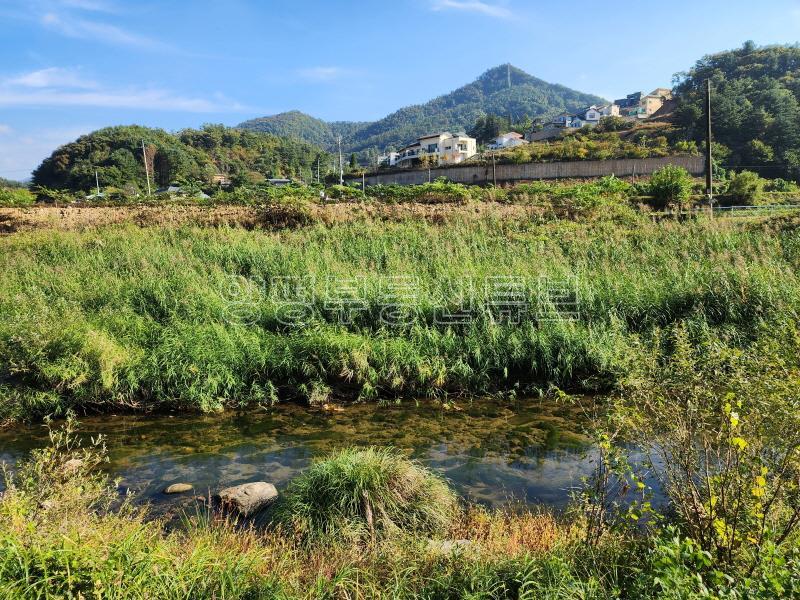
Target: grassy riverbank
372,524
201,319
59,538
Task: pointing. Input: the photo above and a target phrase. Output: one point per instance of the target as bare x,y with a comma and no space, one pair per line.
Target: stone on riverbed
178,488
248,498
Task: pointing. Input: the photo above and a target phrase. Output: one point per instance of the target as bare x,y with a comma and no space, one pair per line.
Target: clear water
492,451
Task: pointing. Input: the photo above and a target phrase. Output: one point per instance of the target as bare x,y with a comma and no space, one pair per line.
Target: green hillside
458,110
755,107
192,154
297,125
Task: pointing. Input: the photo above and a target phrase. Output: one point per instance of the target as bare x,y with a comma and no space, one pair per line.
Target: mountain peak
501,90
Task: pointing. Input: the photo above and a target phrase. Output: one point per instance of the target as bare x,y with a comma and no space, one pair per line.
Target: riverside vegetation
365,523
691,326
201,319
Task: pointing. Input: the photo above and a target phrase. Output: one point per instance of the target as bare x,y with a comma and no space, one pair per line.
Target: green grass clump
367,494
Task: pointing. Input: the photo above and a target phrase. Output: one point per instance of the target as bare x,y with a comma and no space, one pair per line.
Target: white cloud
475,6
56,86
323,74
143,99
85,29
4,129
52,77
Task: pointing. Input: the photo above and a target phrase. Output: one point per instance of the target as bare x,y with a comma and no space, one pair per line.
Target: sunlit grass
188,318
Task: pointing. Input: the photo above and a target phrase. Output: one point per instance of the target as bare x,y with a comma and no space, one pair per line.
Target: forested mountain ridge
503,90
298,125
189,155
755,106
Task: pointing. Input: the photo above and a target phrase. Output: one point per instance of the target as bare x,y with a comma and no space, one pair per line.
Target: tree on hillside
488,127
755,106
190,155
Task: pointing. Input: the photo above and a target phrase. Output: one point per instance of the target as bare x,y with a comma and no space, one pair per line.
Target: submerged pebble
178,488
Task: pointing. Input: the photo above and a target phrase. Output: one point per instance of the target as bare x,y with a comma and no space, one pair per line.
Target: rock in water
248,498
178,488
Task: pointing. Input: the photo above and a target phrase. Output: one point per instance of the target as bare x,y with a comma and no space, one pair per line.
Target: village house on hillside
633,107
444,148
507,140
639,106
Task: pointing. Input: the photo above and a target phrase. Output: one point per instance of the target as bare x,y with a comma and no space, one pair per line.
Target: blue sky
71,66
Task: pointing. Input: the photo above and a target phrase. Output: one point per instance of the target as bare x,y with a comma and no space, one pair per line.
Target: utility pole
494,171
318,157
97,182
146,168
709,163
341,165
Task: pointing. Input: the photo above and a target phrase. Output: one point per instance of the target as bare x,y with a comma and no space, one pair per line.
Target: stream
492,451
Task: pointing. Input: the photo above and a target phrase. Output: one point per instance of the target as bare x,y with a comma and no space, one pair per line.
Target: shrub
613,123
746,186
671,185
345,192
15,197
362,494
722,427
782,185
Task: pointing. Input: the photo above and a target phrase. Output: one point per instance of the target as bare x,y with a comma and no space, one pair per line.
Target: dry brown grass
511,531
14,220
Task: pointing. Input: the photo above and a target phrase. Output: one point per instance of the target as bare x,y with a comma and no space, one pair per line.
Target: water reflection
491,450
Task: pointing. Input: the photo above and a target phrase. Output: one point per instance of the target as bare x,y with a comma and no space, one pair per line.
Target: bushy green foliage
190,156
367,494
299,126
755,103
613,123
781,185
745,186
439,191
719,428
16,197
671,185
595,144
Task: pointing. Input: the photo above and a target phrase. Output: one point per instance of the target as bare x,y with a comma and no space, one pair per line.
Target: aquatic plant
367,494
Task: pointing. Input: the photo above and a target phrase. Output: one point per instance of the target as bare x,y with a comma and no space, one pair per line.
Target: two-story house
593,114
445,148
564,120
641,106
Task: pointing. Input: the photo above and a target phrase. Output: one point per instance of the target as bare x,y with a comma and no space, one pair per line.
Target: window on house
433,147
462,147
